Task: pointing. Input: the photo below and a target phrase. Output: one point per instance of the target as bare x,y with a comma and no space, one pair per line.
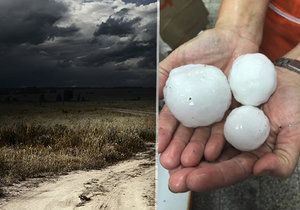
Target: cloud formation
77,42
118,27
32,21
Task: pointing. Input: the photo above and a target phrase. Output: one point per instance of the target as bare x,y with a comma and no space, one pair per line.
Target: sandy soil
129,185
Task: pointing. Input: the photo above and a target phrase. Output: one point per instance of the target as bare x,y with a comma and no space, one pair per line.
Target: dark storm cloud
36,68
144,49
117,26
140,2
122,12
31,21
36,50
132,49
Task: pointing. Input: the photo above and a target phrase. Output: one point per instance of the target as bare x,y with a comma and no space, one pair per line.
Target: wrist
244,17
290,66
242,31
290,78
294,53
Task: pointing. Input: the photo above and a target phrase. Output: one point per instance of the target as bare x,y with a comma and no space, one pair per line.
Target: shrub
82,140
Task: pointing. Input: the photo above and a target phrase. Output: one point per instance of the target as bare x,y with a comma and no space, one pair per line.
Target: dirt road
127,185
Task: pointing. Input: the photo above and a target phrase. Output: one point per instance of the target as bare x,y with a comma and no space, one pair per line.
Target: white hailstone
252,79
246,128
197,95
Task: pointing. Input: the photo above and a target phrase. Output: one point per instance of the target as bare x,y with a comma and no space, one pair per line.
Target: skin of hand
237,32
182,148
278,156
178,144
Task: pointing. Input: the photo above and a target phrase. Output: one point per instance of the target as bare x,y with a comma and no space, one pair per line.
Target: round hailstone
246,128
197,95
252,79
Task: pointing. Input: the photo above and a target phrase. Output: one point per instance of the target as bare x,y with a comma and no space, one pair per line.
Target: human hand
184,146
278,156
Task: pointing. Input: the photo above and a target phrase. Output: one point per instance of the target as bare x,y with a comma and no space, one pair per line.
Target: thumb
283,160
164,68
163,76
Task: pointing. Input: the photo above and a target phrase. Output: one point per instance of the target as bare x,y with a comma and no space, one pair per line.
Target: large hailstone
197,95
246,128
252,79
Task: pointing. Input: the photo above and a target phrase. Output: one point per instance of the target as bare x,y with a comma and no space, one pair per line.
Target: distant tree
7,99
79,98
58,98
68,95
138,98
52,90
42,99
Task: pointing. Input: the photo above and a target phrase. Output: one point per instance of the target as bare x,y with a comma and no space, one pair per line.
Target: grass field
54,138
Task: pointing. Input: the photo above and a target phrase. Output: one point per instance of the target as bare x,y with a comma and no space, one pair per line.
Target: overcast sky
103,43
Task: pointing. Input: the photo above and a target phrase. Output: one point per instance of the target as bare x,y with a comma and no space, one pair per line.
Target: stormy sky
84,43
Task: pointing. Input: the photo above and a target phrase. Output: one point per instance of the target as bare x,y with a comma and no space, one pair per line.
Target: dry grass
39,141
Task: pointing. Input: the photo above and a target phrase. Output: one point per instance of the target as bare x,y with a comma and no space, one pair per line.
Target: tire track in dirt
128,185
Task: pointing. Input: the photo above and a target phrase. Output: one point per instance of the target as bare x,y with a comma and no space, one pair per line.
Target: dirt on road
128,185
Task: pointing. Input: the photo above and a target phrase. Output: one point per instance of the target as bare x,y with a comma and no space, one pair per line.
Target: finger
234,104
228,153
175,170
215,142
193,152
167,126
282,162
164,68
177,180
170,158
221,174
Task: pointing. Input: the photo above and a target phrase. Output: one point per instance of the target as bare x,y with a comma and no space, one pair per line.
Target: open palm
184,146
277,156
283,110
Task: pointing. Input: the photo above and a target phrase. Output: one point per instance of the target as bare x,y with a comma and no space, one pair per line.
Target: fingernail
171,190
